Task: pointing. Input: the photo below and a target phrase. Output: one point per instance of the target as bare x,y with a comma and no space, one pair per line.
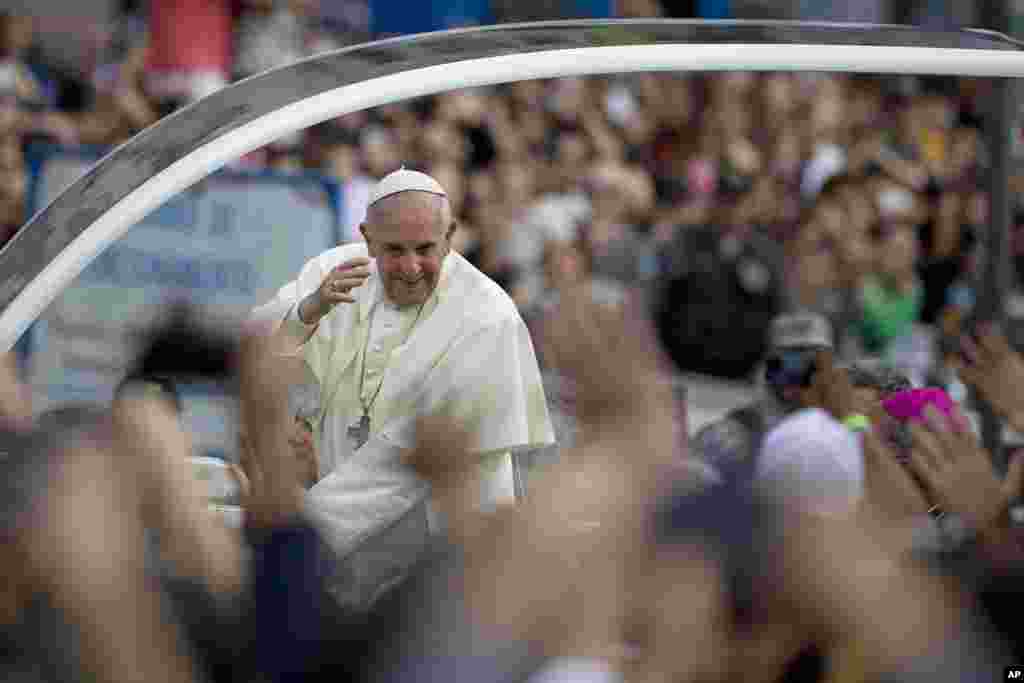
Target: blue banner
225,245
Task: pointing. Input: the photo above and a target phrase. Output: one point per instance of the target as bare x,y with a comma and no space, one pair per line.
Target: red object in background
190,36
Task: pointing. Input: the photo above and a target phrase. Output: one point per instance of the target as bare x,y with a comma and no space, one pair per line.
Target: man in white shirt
393,329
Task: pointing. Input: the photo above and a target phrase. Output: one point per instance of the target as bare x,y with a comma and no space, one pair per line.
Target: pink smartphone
910,404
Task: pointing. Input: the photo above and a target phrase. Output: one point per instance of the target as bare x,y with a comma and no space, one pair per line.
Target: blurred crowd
623,561
724,199
643,224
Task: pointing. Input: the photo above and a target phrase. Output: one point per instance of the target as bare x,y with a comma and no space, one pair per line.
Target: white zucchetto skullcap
405,180
815,460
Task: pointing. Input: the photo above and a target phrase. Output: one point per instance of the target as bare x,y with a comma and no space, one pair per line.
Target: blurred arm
198,542
90,549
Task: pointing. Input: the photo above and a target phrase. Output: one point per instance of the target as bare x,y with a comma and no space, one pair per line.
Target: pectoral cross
359,433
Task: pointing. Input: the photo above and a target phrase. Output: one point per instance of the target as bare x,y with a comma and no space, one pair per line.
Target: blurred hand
275,494
889,488
845,578
15,397
959,471
193,537
60,127
831,389
89,552
996,371
442,457
12,121
611,359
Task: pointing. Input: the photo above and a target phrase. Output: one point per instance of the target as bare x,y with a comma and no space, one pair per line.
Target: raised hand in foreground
959,472
996,371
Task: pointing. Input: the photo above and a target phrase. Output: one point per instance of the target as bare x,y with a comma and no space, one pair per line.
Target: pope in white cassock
396,328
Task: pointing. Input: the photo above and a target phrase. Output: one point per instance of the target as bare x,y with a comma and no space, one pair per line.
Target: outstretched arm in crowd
997,373
959,472
553,569
84,545
196,539
90,549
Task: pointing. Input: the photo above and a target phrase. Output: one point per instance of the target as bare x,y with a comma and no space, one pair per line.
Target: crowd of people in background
724,198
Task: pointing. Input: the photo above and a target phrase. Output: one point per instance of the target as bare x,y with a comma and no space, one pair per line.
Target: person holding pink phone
910,405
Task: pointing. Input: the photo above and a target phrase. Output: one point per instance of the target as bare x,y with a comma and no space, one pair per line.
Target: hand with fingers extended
846,577
889,488
272,477
996,371
831,388
442,456
959,472
608,356
335,288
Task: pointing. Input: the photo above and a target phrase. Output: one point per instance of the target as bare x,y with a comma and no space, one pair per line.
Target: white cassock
466,353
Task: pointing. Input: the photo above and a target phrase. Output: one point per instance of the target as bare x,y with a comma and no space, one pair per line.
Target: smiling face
409,234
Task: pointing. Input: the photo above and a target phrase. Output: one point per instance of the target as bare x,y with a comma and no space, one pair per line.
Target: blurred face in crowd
567,99
976,209
677,98
787,152
734,121
380,153
572,149
528,94
864,105
451,179
481,194
909,123
13,184
341,161
828,110
563,264
517,184
572,152
936,112
764,203
897,251
860,218
441,143
814,260
609,198
822,229
859,207
463,107
829,217
964,147
778,96
409,234
16,34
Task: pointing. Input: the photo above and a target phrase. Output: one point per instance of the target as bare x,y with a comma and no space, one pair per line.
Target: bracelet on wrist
857,423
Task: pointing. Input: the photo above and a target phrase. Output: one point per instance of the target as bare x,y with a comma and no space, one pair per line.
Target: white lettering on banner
227,246
123,266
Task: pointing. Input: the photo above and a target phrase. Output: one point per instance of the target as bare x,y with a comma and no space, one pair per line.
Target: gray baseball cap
801,330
